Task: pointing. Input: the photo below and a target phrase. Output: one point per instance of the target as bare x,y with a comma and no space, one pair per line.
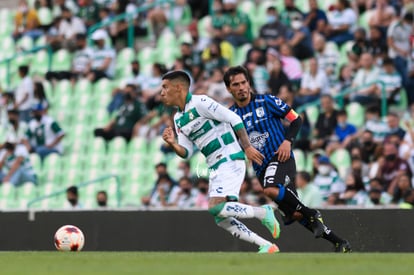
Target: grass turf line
203,263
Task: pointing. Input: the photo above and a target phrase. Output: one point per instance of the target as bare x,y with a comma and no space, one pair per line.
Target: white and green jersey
19,151
208,125
44,132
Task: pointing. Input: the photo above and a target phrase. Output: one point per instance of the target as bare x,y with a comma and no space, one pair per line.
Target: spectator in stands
214,60
365,81
375,124
308,193
392,167
236,27
185,196
327,57
184,171
24,93
201,200
103,58
72,197
345,79
26,22
391,80
316,18
399,45
192,61
273,32
199,42
301,39
365,147
314,83
328,181
354,193
88,12
403,188
118,96
152,85
344,133
162,195
341,23
216,88
44,135
257,69
15,167
131,111
325,124
69,27
393,121
278,82
80,62
39,95
406,150
360,46
376,193
377,44
15,126
382,15
358,167
102,199
291,11
291,65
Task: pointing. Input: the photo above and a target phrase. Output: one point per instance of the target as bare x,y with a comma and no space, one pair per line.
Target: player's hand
254,155
284,151
168,135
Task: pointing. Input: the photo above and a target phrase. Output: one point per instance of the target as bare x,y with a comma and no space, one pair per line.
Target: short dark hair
387,61
304,175
232,71
24,69
80,36
13,111
178,75
341,112
163,164
73,190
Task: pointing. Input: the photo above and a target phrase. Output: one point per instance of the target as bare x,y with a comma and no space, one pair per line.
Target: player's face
169,93
239,88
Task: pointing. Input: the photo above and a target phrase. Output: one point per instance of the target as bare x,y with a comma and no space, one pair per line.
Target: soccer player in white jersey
203,122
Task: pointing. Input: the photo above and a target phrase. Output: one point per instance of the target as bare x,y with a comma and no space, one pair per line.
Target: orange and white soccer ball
69,238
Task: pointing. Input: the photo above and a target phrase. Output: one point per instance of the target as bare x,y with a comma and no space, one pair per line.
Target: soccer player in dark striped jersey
262,116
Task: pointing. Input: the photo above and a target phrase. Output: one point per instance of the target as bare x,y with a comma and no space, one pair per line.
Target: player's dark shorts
279,173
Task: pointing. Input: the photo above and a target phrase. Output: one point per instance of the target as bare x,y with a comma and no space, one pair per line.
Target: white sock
242,211
240,231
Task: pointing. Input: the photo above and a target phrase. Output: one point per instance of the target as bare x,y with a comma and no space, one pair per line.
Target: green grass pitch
203,263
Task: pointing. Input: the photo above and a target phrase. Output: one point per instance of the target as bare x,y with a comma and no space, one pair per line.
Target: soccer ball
69,238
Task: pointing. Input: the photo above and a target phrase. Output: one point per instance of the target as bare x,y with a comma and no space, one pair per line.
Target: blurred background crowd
81,114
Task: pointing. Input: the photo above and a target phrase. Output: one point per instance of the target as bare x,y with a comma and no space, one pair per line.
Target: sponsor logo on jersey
258,140
260,112
249,114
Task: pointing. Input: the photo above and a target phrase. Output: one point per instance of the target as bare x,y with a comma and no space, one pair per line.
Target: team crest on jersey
258,140
260,112
248,123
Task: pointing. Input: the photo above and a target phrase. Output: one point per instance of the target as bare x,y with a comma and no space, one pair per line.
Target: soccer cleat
271,222
268,249
344,247
317,225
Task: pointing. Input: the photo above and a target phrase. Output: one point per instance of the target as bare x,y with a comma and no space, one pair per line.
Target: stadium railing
82,185
9,60
339,98
129,17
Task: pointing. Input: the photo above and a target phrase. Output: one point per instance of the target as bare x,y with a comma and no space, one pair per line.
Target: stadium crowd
342,56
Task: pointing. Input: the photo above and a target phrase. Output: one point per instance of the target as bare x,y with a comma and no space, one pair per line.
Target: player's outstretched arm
251,152
168,136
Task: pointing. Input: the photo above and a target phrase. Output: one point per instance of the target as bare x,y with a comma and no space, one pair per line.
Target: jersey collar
187,99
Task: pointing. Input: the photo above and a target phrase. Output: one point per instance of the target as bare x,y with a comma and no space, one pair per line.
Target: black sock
328,234
289,197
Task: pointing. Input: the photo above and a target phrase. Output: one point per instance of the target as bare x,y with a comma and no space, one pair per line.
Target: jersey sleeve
185,142
276,106
211,109
56,128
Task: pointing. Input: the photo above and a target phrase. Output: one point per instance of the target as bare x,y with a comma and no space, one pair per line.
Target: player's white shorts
227,179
